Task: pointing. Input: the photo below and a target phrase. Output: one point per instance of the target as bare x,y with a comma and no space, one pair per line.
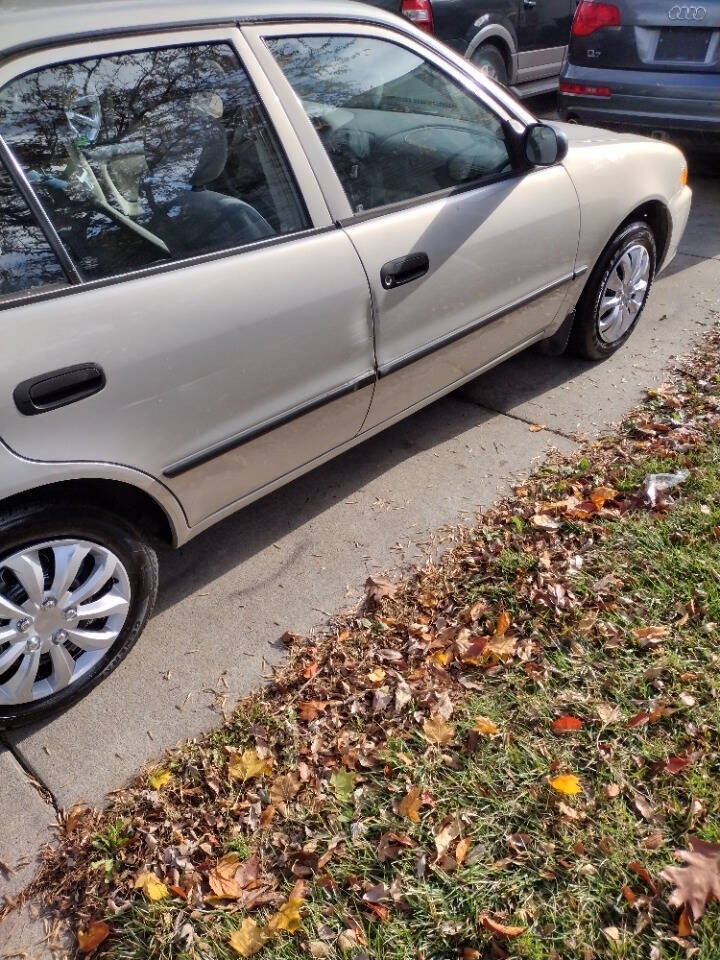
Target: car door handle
404,270
529,4
58,388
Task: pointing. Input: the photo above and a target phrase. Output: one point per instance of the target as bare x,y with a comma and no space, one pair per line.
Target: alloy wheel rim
63,604
624,293
488,69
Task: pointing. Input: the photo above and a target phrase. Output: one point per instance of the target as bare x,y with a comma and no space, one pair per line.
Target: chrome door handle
529,4
404,270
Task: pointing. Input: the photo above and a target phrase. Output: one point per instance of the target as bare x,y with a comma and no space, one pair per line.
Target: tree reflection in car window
354,88
147,157
26,258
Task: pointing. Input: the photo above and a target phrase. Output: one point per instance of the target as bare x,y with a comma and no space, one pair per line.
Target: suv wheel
77,585
616,293
491,61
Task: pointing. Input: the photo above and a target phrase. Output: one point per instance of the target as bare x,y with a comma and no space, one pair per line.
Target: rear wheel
616,293
77,585
491,61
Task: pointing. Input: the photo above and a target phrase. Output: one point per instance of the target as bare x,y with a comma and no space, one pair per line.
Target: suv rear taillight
420,12
590,16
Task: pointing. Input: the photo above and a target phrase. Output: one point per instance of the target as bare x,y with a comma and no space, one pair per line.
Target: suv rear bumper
685,106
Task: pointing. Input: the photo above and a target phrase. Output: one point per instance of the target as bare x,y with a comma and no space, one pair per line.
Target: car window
395,126
148,157
26,258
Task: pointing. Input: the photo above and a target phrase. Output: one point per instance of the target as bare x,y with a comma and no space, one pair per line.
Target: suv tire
491,61
631,250
118,571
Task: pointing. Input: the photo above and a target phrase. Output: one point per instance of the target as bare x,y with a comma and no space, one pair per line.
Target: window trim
335,194
302,178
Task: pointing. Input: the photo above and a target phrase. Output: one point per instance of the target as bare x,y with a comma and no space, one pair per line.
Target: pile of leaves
507,755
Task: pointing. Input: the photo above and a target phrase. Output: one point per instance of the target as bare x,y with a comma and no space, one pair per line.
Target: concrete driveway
303,553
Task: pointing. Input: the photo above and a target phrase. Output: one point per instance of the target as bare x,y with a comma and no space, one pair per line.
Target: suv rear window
26,259
148,157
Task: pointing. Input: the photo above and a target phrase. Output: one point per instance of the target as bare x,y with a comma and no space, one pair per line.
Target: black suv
646,65
517,42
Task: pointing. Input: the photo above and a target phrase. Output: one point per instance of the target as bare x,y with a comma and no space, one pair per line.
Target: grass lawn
498,758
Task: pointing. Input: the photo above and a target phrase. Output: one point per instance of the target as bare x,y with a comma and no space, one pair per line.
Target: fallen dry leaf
566,724
462,849
612,790
288,916
698,883
310,710
500,929
500,647
284,788
567,784
485,726
536,427
248,765
503,624
438,731
541,521
445,832
152,886
90,939
343,784
159,779
410,805
248,939
377,588
639,870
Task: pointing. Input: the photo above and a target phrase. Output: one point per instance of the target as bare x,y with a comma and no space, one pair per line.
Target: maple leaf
485,726
567,784
310,710
500,929
284,788
343,783
229,878
248,939
377,588
437,730
698,883
90,939
288,916
566,724
410,805
248,765
500,647
159,779
152,886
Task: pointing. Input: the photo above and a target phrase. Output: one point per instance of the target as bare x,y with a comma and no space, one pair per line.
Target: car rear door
467,258
543,33
216,329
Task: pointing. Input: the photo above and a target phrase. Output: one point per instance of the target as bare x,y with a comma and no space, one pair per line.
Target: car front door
543,34
216,327
467,258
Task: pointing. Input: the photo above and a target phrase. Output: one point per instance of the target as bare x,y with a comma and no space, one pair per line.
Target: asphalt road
303,553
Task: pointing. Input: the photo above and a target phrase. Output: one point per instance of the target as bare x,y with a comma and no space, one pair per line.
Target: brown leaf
462,849
439,731
673,765
684,923
566,724
390,844
644,807
639,870
410,805
310,710
377,588
612,790
500,647
445,832
698,883
503,624
229,877
310,670
485,726
536,427
284,788
639,720
90,939
500,929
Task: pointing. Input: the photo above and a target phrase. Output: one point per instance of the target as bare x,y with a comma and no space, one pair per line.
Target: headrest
184,148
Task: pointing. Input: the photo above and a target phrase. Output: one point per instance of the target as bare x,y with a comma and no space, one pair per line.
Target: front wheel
492,63
616,293
77,585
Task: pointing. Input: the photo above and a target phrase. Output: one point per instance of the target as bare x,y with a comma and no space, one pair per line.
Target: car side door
468,257
228,316
543,34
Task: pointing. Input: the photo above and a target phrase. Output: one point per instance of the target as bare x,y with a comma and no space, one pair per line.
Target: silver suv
235,240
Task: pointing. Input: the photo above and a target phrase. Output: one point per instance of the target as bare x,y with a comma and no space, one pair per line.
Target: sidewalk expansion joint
514,416
33,776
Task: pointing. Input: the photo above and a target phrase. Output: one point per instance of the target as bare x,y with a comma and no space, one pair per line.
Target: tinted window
26,258
147,157
396,127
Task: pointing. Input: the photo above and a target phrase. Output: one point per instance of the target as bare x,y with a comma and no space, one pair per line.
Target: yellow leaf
410,805
159,779
462,849
566,783
486,726
377,675
441,657
152,886
503,624
248,939
247,765
287,917
438,730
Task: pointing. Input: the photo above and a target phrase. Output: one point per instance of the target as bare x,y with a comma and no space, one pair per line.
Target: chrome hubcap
624,293
63,604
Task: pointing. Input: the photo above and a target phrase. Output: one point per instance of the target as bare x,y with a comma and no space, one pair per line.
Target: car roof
27,24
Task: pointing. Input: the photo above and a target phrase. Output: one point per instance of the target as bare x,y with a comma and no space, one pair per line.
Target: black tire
585,340
36,522
491,61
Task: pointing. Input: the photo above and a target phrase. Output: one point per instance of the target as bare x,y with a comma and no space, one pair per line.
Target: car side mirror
544,145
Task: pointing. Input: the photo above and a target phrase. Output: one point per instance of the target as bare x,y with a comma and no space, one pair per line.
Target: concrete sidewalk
303,553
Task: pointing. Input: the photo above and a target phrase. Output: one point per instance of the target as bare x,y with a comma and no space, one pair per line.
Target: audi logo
687,13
